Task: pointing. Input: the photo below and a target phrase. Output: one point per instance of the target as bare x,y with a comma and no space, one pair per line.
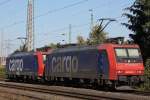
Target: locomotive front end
129,65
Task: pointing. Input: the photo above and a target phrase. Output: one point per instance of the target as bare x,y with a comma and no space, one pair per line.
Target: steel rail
23,95
69,93
61,92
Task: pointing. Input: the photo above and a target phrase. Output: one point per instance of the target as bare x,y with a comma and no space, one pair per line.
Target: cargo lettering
16,65
65,64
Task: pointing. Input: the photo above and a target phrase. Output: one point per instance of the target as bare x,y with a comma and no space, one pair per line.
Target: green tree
52,45
22,48
139,23
146,85
97,36
80,40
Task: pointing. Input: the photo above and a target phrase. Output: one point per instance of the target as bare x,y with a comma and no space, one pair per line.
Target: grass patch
2,72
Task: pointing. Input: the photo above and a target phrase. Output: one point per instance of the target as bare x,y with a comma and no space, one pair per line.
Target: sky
53,17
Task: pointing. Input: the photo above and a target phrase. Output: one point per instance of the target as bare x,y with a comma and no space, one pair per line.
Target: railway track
146,93
16,96
55,91
135,92
74,92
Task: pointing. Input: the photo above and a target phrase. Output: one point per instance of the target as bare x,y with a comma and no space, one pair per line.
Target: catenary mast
30,26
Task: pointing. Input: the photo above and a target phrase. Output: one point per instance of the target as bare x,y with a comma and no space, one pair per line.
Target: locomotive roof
21,54
75,48
90,47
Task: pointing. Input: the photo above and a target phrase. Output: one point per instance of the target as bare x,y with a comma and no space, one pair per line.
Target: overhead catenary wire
62,29
47,13
65,28
99,6
75,26
51,11
62,8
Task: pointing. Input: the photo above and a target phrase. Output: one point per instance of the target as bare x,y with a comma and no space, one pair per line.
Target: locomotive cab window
122,53
128,55
134,53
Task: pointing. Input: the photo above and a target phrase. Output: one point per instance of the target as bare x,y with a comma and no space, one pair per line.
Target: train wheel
113,86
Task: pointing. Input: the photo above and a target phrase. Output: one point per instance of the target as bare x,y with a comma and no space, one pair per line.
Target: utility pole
30,26
1,60
92,19
70,32
7,47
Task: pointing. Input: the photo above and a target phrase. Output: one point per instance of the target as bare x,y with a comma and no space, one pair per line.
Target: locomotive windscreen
128,55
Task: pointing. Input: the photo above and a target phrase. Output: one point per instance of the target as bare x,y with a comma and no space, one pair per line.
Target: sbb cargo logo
65,64
16,65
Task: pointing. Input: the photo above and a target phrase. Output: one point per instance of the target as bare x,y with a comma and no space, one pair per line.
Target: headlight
140,71
120,72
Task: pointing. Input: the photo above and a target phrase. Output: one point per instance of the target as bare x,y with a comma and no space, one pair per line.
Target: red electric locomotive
105,64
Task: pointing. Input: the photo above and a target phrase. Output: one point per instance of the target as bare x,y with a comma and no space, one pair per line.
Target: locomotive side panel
104,64
22,65
73,64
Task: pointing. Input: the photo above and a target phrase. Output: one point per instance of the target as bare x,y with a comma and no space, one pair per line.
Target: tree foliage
22,48
147,68
146,85
80,40
52,45
139,23
97,35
